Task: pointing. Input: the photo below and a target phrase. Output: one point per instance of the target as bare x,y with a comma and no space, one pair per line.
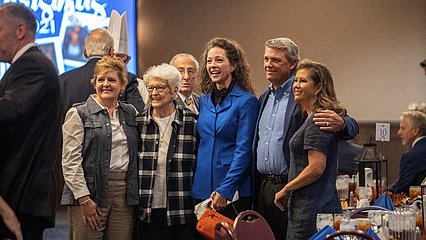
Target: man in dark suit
279,118
76,83
412,131
30,124
188,67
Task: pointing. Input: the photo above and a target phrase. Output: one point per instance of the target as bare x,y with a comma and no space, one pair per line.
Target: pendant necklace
165,129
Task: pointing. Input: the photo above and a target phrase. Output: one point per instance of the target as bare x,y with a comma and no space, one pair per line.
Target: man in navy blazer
278,119
412,131
30,124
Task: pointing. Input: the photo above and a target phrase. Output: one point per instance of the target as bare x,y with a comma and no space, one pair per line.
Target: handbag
208,221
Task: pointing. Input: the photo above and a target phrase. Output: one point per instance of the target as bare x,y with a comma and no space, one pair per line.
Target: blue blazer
412,168
224,153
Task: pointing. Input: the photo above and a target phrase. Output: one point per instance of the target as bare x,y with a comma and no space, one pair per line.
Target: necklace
165,129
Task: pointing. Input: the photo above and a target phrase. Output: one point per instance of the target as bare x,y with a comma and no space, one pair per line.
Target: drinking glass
342,185
347,224
414,192
375,217
324,219
364,194
363,224
337,218
400,224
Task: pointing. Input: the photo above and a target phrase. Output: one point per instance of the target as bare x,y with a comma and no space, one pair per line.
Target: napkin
385,201
372,233
322,234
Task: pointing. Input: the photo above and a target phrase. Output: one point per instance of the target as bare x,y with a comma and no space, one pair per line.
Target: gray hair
291,50
196,64
166,72
98,42
417,107
417,115
17,11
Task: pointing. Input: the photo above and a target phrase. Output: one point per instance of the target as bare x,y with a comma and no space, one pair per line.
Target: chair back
353,233
223,231
250,224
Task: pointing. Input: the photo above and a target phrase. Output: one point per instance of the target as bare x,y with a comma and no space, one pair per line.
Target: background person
228,110
76,83
312,173
30,124
99,159
188,67
167,160
412,131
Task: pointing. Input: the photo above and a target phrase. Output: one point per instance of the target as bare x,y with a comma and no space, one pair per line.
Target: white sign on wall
383,132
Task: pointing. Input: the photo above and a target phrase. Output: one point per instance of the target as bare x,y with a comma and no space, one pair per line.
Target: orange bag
207,223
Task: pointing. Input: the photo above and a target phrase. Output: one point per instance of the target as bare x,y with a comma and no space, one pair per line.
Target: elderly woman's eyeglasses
158,88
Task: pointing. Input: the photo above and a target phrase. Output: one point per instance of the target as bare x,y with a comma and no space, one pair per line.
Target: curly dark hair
237,57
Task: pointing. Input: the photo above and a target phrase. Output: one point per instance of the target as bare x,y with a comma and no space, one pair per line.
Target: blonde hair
111,63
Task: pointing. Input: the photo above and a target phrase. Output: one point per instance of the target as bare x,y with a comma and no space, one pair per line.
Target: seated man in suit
188,68
412,130
348,151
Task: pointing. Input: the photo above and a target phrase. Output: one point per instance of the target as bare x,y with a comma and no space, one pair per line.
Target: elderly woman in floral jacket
167,159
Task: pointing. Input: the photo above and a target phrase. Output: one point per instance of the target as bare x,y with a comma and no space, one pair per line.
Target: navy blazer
224,153
30,135
412,168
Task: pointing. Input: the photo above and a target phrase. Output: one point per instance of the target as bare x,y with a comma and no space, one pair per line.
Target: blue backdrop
62,26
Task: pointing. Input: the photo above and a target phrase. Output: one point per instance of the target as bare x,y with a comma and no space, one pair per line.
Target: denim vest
97,152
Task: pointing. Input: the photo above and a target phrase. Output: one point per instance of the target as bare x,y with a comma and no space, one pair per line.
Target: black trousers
157,229
276,218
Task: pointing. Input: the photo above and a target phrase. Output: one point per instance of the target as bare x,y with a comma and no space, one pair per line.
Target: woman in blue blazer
228,110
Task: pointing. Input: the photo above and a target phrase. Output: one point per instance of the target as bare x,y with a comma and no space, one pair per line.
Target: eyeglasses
159,88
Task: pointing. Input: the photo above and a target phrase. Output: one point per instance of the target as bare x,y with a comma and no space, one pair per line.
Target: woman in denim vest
99,159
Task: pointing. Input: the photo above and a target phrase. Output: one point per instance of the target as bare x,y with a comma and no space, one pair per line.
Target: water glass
363,224
347,224
324,219
342,185
337,218
414,192
375,217
400,224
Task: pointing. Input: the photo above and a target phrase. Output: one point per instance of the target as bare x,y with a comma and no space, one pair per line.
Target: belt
276,178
